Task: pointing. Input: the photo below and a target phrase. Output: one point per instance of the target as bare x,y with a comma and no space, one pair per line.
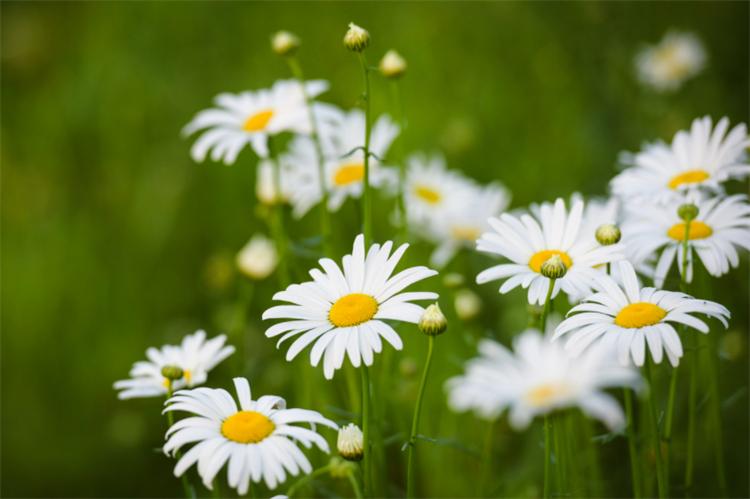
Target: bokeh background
113,240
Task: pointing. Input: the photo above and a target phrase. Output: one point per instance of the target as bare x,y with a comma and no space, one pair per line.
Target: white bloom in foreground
251,117
676,58
258,258
701,158
527,244
630,319
257,440
344,312
194,356
720,229
539,377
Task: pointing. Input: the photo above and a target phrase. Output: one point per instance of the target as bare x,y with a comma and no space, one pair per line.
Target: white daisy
630,318
720,229
345,312
539,377
528,245
257,440
464,219
251,117
666,65
194,356
700,158
344,162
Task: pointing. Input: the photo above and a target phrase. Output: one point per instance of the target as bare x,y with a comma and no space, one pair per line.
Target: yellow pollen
349,173
187,375
258,121
538,258
697,230
544,394
688,177
353,309
469,234
427,194
247,427
167,383
640,314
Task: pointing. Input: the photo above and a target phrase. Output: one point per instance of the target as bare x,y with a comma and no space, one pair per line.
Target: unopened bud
432,322
350,442
356,39
688,212
554,267
284,43
172,373
392,65
608,234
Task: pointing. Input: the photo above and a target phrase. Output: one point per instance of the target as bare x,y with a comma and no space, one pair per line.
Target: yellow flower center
427,194
697,230
353,309
186,374
688,177
543,395
640,314
538,258
469,234
349,173
247,427
258,121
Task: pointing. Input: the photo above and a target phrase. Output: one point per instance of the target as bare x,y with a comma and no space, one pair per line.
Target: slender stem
277,221
216,489
547,457
305,479
400,201
325,214
366,201
355,484
186,487
715,415
366,435
692,413
560,473
594,470
635,463
410,484
486,458
654,420
547,305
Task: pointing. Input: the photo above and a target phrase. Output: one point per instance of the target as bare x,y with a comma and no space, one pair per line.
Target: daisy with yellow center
701,158
257,439
342,311
529,241
633,319
537,378
666,65
192,359
721,228
251,117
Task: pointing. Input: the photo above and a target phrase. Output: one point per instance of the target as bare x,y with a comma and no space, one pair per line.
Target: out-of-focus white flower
392,65
284,43
667,65
258,258
467,304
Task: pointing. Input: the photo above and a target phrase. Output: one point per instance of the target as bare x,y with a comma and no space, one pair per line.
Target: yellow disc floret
697,230
258,121
349,173
427,194
538,258
688,177
545,394
247,427
353,309
640,314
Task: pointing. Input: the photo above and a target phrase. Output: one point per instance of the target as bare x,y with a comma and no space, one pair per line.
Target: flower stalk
366,201
186,487
410,481
277,217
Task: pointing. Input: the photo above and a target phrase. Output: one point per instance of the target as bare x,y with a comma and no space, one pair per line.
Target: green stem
366,435
635,463
366,201
277,217
547,456
547,305
410,484
560,472
186,487
355,484
715,415
654,420
692,404
305,479
486,458
325,214
400,201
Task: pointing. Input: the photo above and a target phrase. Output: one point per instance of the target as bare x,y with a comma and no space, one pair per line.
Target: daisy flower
665,66
194,356
257,439
537,378
720,229
701,158
251,117
344,312
527,244
630,319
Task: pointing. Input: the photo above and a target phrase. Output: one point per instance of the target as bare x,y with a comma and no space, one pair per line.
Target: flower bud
392,65
350,442
467,304
432,322
608,234
284,43
554,267
688,212
453,280
172,373
356,39
258,258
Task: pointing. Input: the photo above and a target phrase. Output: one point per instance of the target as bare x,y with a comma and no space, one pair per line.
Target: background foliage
114,240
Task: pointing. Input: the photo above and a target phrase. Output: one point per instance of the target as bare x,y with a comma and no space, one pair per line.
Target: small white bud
433,322
392,65
284,43
554,268
608,234
356,39
467,303
350,442
258,258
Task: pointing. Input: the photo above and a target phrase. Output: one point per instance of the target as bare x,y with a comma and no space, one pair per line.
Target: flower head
257,439
258,258
343,312
350,442
284,43
172,367
467,304
666,65
356,39
608,234
433,322
392,65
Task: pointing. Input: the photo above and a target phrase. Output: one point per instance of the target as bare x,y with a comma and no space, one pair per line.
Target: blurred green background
113,240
